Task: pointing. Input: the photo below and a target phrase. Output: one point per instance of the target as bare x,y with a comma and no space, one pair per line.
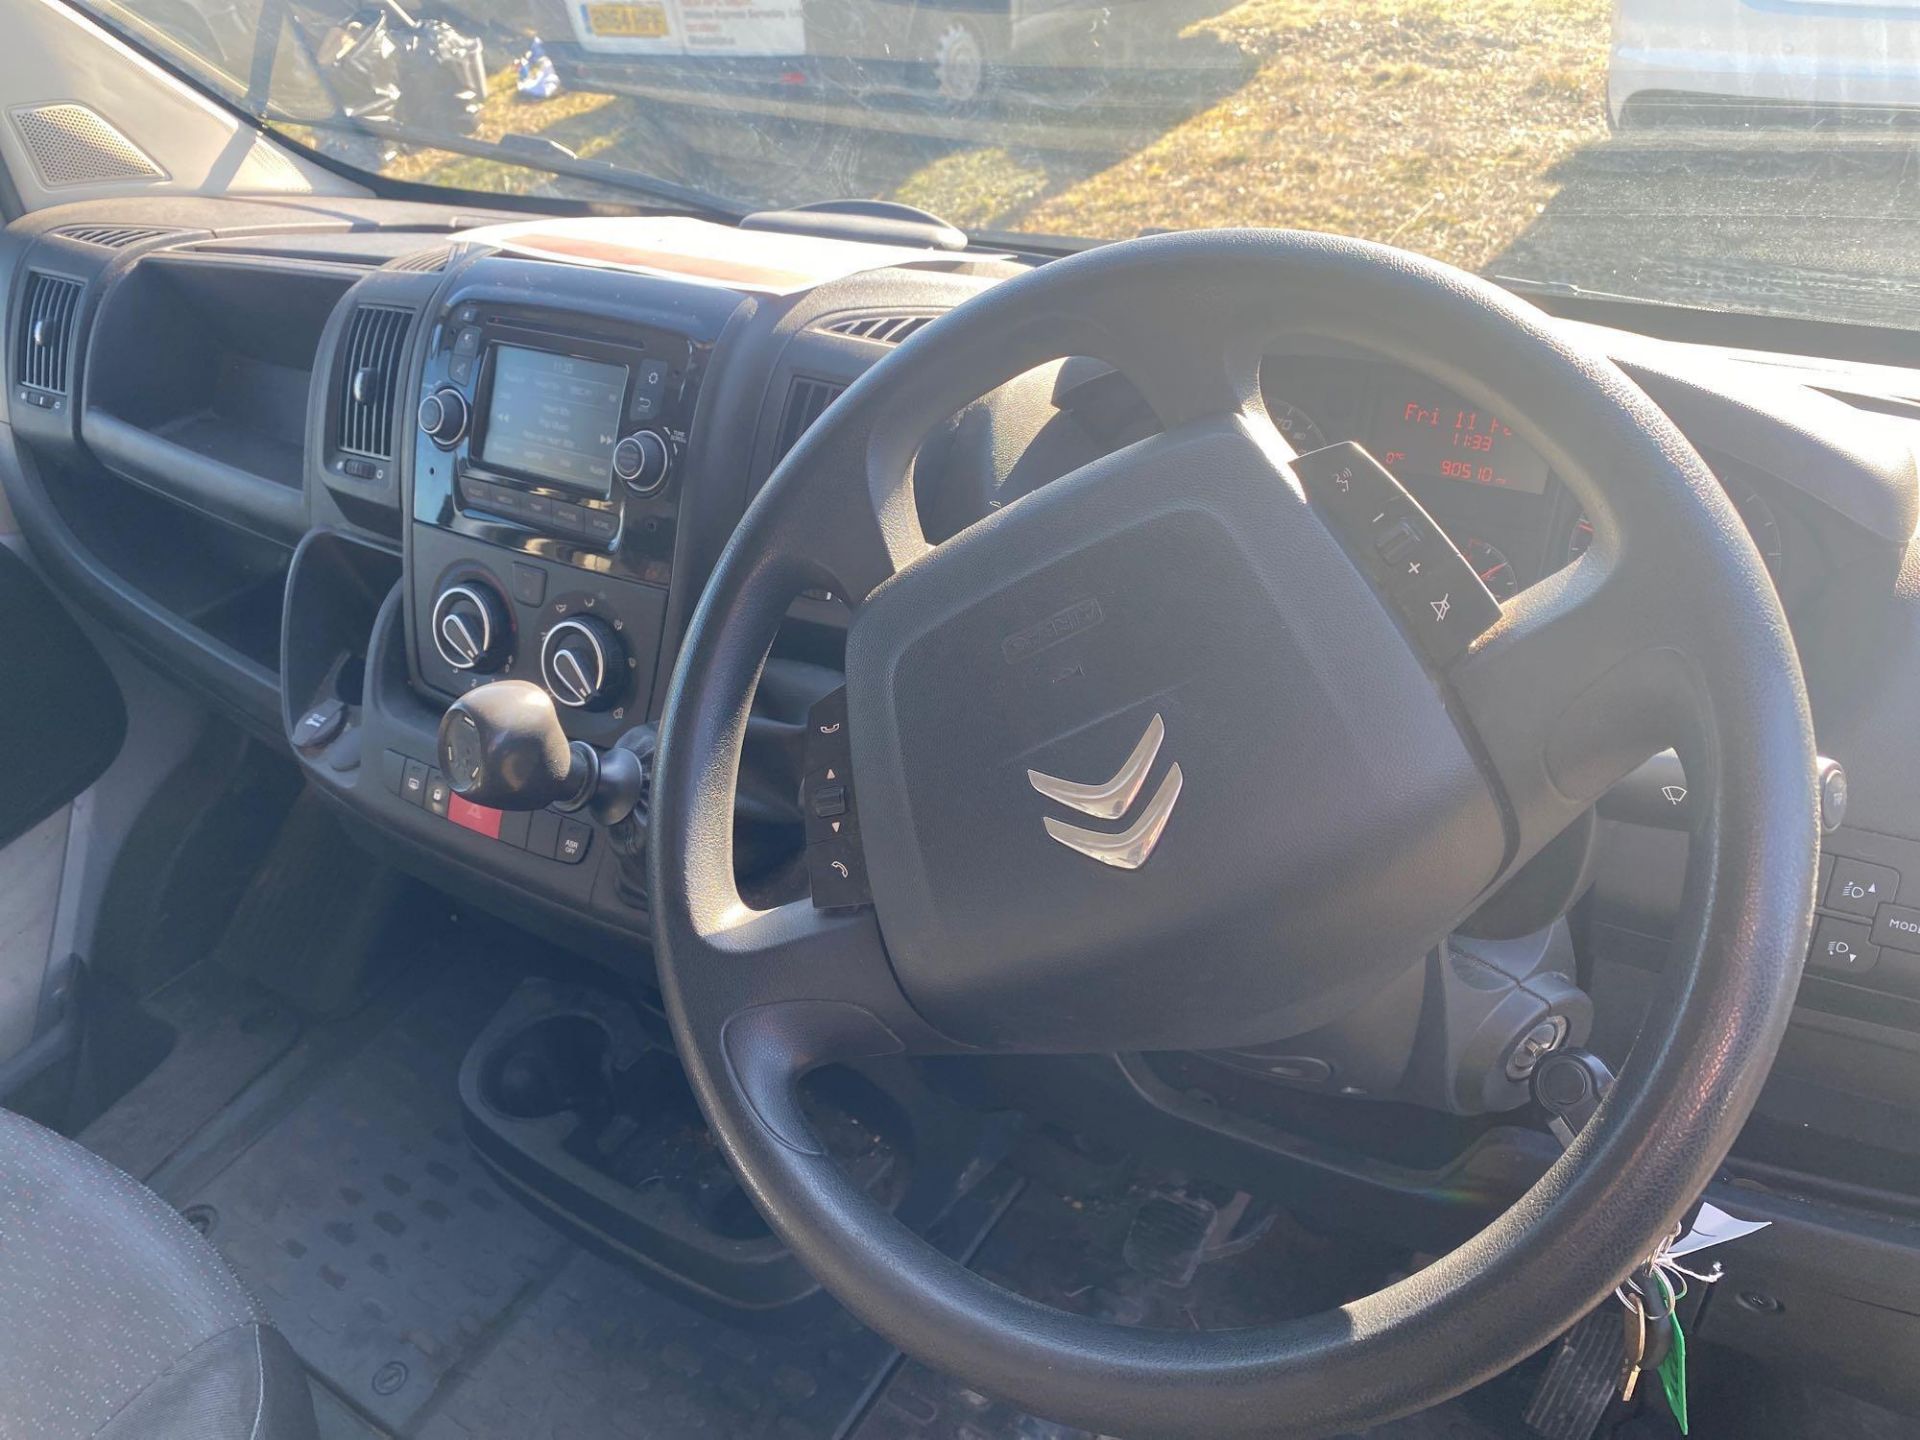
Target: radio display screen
555,417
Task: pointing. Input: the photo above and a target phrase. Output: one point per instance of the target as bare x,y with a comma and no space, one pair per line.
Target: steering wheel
1340,800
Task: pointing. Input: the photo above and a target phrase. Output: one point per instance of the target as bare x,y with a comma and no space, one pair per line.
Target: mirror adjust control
319,725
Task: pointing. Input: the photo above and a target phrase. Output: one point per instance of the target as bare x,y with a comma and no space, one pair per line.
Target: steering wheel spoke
793,988
1583,677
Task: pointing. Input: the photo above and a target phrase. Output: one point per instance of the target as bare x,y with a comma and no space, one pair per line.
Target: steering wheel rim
1668,632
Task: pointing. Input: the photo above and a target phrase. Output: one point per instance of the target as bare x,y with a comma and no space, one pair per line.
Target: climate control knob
582,662
642,459
443,415
472,627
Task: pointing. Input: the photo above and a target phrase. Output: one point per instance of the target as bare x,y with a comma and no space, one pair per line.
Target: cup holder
574,1095
554,1065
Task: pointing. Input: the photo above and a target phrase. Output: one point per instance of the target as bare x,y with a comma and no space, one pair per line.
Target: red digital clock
1433,434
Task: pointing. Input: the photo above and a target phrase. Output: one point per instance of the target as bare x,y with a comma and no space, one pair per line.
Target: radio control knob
443,415
472,627
582,662
643,459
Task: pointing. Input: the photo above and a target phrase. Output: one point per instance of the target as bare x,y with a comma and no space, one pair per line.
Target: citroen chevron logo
1110,800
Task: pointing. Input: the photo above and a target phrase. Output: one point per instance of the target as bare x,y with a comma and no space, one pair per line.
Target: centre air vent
807,401
45,341
376,349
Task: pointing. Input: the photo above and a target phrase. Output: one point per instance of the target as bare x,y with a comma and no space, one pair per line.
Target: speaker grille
74,145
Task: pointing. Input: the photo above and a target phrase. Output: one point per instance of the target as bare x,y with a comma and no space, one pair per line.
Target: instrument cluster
1490,490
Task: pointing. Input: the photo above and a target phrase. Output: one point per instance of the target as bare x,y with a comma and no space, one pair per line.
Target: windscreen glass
1754,157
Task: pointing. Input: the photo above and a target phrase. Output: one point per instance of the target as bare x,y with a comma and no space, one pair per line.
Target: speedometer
1302,432
1754,512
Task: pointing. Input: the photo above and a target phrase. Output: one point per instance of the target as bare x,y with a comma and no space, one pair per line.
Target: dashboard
328,466
335,468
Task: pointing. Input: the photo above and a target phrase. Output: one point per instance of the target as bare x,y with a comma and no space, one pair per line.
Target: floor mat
1093,1237
432,1306
227,1032
368,1229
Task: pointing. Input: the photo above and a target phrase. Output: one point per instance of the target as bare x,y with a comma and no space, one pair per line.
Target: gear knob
501,745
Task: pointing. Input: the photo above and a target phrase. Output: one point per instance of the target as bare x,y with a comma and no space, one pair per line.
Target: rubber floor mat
368,1229
228,1030
1074,1241
438,1308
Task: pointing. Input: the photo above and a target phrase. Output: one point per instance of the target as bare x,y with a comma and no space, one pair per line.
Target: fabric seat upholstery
118,1319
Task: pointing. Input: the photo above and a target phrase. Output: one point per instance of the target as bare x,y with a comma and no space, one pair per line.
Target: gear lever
501,745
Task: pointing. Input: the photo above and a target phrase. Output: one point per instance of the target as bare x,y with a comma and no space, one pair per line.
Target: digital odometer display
1427,435
555,417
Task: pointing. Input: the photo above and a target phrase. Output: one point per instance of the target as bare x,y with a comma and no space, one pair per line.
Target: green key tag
1673,1369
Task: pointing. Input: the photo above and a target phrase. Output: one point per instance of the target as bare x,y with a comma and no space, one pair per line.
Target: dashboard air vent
807,400
423,261
116,237
882,329
376,349
47,308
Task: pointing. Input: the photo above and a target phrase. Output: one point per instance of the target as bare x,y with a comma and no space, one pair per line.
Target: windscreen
1727,155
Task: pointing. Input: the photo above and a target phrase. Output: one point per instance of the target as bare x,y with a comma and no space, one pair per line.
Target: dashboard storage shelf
199,379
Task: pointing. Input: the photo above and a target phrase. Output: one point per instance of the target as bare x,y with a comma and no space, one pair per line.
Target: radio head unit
553,435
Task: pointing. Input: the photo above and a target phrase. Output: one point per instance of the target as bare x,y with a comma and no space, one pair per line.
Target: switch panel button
1858,888
1897,928
1842,947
